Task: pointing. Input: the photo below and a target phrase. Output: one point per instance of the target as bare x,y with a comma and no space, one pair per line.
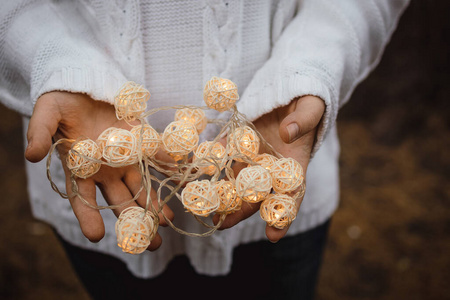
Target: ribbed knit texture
274,51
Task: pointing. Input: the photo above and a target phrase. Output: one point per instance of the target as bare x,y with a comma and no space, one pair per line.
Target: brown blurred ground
389,238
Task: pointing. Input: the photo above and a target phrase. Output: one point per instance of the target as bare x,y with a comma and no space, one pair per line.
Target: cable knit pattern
274,50
222,38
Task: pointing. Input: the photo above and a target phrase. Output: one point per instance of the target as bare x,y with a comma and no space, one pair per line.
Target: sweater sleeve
326,50
48,46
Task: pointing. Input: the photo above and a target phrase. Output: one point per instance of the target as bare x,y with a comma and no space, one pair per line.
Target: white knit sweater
274,50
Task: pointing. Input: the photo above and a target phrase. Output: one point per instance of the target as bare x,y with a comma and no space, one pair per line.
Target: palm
65,115
307,111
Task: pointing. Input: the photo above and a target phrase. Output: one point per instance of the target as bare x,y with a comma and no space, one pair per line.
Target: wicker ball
120,147
229,201
287,175
131,101
220,94
265,160
200,198
194,115
80,166
180,138
151,140
243,142
135,229
253,184
103,138
278,210
208,156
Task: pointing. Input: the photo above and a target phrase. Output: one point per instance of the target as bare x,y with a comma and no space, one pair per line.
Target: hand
291,130
66,115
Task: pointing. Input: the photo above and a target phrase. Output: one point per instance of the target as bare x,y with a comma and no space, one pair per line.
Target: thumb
43,125
305,117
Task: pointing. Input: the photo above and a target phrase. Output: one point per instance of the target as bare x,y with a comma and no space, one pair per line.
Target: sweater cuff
259,101
98,84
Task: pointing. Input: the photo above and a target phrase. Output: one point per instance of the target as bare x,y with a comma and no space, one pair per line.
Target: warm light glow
220,94
131,101
253,184
287,175
209,157
265,160
278,210
120,147
243,143
135,229
79,157
149,139
180,138
229,201
195,116
200,198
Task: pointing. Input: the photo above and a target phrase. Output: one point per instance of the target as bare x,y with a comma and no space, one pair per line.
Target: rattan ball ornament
265,160
209,157
135,229
103,138
220,94
148,137
131,101
287,175
278,210
120,147
228,198
242,143
196,116
78,161
179,139
253,184
200,197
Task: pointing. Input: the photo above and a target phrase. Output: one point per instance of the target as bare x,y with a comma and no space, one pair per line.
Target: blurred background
390,236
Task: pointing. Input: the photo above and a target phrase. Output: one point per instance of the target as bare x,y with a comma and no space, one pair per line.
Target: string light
200,198
209,157
253,184
135,229
278,210
243,143
120,147
81,158
268,178
131,101
287,175
195,116
149,137
180,138
220,94
228,198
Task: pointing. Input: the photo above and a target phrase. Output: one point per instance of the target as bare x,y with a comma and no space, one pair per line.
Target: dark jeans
261,270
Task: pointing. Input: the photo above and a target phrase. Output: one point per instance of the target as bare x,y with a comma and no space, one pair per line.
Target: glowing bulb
243,143
253,184
81,158
278,210
195,116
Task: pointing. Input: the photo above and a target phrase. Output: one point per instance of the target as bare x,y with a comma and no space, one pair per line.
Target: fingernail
293,131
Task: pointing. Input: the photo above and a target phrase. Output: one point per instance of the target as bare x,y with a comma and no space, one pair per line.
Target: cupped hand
291,130
60,115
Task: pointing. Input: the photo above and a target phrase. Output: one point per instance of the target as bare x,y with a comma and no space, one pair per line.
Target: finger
91,222
155,243
133,180
274,234
246,211
117,194
43,125
306,116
